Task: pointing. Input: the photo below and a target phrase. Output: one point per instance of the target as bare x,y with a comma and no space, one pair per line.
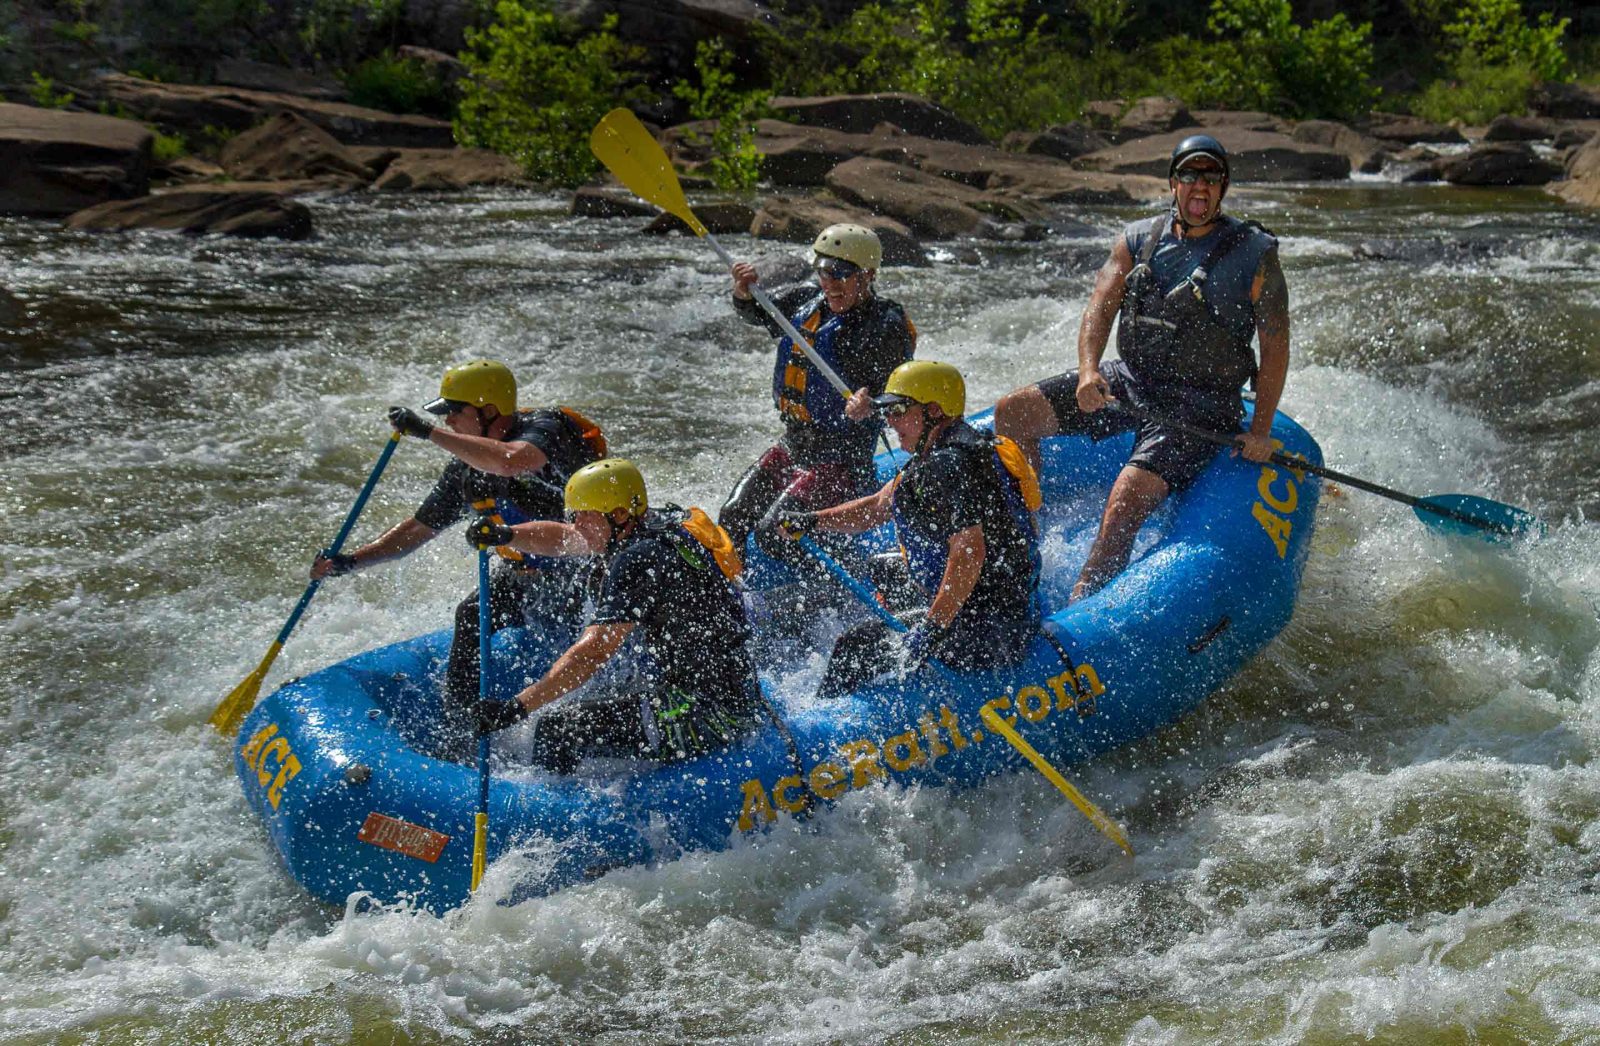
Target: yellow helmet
926,382
476,383
856,244
605,486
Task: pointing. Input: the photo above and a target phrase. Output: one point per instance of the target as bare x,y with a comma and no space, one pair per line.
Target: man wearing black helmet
1189,289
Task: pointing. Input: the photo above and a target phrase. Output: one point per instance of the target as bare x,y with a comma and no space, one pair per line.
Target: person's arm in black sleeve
788,300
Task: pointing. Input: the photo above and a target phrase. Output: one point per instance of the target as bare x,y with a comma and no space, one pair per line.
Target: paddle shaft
992,718
480,822
231,711
1300,465
344,533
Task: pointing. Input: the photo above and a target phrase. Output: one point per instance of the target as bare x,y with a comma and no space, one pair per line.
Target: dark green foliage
398,85
1259,58
537,88
1493,57
735,163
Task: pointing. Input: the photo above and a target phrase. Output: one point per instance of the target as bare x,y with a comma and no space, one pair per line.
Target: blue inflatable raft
335,763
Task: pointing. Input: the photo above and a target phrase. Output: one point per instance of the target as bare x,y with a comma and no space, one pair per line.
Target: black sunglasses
836,268
895,410
1188,176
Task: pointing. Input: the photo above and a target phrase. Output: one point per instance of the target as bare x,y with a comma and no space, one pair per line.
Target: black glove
917,645
497,715
338,563
791,523
408,422
486,533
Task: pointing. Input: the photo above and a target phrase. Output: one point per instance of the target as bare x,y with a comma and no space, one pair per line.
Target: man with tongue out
1189,289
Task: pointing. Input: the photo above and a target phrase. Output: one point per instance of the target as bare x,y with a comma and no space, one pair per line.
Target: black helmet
1198,145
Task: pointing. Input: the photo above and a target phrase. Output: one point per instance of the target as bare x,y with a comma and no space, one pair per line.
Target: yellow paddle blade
1095,815
621,142
242,698
480,847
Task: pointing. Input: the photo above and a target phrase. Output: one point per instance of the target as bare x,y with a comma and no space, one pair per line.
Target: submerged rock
198,211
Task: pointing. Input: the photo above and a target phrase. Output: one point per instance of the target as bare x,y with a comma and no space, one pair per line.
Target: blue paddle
1447,513
231,712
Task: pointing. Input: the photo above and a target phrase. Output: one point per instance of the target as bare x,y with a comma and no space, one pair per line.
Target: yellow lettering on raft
1284,504
286,773
864,766
828,780
903,743
755,804
1277,527
781,790
1033,703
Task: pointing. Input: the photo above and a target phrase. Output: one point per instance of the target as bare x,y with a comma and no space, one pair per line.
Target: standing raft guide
357,770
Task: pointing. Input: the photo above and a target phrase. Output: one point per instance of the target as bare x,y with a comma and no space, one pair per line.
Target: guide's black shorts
1174,456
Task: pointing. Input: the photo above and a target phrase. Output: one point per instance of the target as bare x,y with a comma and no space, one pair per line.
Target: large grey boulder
446,170
932,207
799,220
1398,129
860,114
1499,163
1582,186
197,211
1154,115
53,162
1366,154
1066,141
288,146
1521,129
192,109
1253,156
1565,101
259,76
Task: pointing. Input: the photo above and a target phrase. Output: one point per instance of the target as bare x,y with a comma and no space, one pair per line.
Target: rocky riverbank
898,163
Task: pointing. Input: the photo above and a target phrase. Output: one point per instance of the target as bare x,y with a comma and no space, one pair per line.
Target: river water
1384,830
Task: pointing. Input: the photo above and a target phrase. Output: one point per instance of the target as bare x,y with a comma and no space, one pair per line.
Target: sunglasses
895,410
836,268
1188,176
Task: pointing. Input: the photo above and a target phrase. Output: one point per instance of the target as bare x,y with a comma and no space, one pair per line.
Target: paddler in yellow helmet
669,578
963,512
825,454
518,457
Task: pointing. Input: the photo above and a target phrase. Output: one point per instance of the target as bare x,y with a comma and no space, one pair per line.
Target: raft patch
413,840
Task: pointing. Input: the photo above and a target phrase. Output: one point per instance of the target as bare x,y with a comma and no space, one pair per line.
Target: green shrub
1495,32
168,147
735,161
398,85
44,94
1477,93
537,89
1262,60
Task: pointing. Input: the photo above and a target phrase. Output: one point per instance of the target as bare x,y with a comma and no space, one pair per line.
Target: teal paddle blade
1478,517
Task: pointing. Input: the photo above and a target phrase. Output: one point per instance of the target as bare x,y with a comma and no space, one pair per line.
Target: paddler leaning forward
963,511
669,575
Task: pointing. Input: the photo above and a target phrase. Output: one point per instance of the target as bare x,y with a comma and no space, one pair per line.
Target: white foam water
1382,830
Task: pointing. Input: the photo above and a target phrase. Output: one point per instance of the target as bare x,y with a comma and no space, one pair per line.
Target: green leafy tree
1262,59
537,88
1495,32
1494,58
735,161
